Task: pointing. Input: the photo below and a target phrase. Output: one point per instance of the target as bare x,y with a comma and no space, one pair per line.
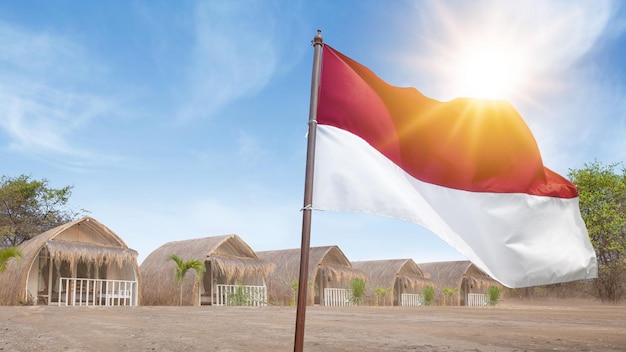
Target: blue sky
177,120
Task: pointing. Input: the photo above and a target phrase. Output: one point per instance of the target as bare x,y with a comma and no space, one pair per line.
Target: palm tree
448,293
8,253
182,268
381,293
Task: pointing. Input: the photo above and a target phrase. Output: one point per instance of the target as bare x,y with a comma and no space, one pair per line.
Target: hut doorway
319,286
463,292
398,289
207,294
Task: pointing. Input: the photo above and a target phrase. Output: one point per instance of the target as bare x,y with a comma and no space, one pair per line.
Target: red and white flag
468,170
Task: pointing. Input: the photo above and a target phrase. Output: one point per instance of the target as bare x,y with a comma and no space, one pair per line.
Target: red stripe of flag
466,144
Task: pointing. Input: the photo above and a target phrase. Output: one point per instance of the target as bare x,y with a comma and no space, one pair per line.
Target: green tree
602,200
8,253
29,207
183,267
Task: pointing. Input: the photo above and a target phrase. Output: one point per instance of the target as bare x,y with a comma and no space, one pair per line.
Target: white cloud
40,112
237,51
36,52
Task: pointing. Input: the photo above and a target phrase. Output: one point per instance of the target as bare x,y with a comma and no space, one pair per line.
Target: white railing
97,292
337,297
411,299
241,295
476,299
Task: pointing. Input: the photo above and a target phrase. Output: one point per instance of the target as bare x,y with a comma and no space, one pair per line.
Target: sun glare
488,72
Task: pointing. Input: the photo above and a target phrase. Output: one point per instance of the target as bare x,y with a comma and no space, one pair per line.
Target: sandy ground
546,326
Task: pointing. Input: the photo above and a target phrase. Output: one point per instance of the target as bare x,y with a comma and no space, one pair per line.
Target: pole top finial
318,38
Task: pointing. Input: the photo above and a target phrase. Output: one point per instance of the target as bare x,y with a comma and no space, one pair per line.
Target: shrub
493,294
381,293
428,294
448,293
294,288
357,287
239,297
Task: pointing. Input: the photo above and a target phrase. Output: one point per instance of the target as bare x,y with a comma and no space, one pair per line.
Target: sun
488,72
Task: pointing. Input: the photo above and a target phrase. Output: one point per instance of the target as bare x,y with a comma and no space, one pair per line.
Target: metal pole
308,197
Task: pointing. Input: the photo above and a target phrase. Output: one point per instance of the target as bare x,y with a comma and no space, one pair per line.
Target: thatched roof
330,261
85,239
451,274
329,258
85,252
383,273
229,255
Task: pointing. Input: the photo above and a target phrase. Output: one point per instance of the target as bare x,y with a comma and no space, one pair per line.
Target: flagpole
298,344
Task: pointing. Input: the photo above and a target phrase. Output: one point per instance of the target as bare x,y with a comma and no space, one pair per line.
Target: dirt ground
544,326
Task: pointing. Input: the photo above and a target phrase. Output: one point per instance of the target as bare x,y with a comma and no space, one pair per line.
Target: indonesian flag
468,170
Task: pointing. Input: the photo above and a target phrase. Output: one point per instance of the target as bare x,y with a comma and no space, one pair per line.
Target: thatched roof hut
394,276
82,249
328,268
462,276
228,260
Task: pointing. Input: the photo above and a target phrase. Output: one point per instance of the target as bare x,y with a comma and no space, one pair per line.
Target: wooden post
308,197
50,283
